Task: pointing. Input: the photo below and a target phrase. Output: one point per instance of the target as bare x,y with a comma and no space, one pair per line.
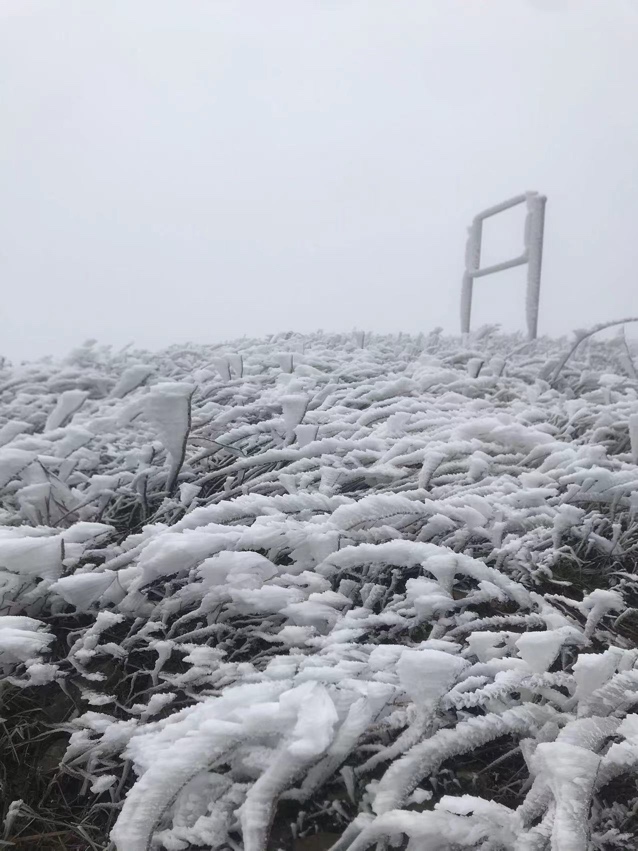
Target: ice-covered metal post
534,234
532,255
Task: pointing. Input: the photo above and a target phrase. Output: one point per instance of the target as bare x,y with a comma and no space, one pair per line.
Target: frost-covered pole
472,264
532,255
535,230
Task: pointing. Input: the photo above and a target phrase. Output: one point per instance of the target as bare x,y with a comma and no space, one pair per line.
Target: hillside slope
365,588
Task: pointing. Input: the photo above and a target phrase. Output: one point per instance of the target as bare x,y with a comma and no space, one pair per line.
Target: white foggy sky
203,169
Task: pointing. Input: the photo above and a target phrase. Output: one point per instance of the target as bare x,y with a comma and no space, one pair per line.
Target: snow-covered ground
376,588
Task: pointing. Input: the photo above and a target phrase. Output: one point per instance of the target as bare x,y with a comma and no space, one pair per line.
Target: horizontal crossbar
504,205
500,267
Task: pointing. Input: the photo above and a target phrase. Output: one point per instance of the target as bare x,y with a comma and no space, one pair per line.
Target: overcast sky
203,169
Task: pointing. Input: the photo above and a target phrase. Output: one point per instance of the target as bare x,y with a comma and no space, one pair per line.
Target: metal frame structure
532,255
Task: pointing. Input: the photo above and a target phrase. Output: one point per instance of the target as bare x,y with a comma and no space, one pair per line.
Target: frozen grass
360,587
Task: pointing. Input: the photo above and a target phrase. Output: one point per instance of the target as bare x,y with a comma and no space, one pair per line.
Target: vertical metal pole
472,264
535,230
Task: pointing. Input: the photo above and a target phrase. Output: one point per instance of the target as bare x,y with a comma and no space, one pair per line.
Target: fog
200,170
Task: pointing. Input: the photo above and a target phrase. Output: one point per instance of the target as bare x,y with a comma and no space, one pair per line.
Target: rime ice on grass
386,585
